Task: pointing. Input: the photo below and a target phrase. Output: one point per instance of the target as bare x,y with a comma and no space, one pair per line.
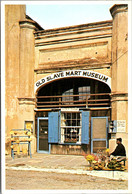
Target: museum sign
73,73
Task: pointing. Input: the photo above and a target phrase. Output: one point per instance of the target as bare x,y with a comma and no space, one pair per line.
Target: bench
20,136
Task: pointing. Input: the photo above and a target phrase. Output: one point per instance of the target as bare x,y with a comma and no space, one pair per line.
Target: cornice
85,63
75,28
74,39
26,100
80,31
101,43
27,23
117,8
119,94
36,24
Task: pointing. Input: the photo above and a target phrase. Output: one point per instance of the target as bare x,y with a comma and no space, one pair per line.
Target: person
119,153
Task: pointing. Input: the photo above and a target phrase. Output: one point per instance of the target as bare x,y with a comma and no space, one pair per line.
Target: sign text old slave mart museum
74,73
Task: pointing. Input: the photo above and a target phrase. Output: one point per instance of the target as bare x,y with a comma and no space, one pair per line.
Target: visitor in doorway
119,153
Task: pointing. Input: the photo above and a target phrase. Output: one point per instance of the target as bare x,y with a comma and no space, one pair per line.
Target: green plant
115,165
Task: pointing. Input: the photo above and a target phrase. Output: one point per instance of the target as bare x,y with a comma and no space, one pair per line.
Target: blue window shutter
85,127
53,127
59,126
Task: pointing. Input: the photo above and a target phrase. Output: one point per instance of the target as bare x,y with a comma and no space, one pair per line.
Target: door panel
99,128
99,145
53,136
85,127
42,135
99,133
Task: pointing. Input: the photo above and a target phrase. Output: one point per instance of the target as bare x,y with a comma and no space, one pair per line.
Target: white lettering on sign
74,73
69,109
121,125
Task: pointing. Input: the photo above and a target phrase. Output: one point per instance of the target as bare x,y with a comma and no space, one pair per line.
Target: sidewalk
60,164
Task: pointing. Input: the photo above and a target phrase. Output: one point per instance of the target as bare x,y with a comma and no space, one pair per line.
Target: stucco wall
13,14
77,47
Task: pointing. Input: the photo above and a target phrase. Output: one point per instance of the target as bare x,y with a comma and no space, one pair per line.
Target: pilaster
119,93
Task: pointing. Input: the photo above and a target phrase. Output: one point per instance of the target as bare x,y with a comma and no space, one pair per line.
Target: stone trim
71,33
117,8
75,46
88,63
26,100
75,28
119,97
69,40
37,25
28,24
74,67
119,93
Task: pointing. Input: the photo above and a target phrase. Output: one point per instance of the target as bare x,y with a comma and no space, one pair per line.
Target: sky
60,15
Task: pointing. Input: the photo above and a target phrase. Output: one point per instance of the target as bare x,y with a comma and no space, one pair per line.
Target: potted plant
69,140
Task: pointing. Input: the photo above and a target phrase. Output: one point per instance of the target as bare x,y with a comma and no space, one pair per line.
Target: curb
116,175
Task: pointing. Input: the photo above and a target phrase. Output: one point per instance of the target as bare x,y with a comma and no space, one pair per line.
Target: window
83,90
68,127
71,127
28,125
66,96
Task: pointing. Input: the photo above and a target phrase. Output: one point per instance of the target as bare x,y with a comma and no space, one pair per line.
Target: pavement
73,164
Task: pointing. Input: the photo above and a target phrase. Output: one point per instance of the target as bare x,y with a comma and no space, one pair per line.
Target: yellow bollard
24,151
18,150
29,133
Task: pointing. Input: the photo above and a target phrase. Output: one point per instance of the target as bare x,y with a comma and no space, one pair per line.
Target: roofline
74,26
118,8
36,23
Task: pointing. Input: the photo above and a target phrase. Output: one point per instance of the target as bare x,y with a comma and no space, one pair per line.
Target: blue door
99,133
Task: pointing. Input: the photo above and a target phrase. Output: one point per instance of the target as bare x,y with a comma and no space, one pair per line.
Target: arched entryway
73,92
65,113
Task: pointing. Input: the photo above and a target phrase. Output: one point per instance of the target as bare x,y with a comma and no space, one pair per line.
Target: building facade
69,84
